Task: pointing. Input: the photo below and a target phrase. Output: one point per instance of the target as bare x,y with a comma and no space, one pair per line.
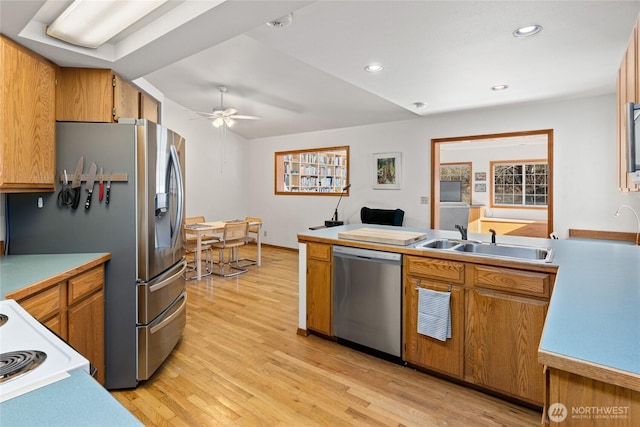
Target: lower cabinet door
86,331
503,338
442,356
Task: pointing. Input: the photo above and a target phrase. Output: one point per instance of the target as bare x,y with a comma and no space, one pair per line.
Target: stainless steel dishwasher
367,298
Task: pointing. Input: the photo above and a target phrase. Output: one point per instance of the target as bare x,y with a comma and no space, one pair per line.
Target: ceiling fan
222,116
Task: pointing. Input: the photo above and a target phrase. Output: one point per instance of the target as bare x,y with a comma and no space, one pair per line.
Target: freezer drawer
157,339
155,296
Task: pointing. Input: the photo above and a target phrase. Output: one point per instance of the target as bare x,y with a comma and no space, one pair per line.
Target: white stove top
22,332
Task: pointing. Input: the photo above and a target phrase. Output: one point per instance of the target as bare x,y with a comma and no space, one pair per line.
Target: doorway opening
506,179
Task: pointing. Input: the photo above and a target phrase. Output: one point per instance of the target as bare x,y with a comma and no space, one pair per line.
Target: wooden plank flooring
241,363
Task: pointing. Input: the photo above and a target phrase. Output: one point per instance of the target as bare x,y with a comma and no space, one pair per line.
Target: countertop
74,401
78,399
19,271
593,321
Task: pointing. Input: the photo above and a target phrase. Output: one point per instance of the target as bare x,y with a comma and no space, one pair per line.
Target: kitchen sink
515,252
439,244
528,253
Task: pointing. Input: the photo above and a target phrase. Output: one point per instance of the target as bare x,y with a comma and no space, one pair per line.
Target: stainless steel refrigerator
141,226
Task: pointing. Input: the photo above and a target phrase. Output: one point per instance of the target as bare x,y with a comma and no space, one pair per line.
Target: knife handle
76,198
86,205
107,195
101,194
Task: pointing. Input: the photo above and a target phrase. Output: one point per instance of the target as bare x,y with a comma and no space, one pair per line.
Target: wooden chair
252,236
190,248
233,236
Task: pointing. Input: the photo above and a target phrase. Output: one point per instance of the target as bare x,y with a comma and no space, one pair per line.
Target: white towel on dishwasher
434,314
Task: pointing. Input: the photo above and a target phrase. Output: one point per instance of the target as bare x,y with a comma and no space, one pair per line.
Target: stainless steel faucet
493,236
463,231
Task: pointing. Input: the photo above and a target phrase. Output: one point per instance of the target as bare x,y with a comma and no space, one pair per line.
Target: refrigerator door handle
175,162
169,280
167,321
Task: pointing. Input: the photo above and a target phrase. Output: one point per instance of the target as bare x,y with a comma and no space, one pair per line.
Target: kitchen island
60,290
592,325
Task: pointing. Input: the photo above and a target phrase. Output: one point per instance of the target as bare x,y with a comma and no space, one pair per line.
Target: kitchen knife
108,188
101,186
90,181
76,183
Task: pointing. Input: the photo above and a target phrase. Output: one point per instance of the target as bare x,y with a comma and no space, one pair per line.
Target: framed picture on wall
481,176
480,188
387,171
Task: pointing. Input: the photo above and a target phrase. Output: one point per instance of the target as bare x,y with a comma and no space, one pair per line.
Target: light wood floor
240,363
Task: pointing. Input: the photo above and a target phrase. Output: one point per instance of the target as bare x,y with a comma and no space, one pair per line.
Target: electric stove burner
16,363
3,319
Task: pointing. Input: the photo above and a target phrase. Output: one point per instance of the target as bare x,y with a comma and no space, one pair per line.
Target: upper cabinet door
628,89
148,108
125,99
84,95
27,117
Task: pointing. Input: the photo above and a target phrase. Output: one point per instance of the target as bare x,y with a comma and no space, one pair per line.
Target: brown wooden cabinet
148,108
430,353
628,90
574,400
27,120
506,313
99,95
319,288
73,309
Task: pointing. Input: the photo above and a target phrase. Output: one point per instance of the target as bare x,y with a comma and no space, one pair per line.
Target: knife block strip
115,177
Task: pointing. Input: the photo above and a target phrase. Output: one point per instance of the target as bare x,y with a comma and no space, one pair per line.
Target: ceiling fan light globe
229,121
218,122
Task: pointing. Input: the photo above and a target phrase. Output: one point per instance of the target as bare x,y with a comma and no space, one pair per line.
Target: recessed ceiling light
374,68
527,31
499,87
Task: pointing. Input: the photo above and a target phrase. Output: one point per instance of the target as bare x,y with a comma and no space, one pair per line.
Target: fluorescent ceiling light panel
91,23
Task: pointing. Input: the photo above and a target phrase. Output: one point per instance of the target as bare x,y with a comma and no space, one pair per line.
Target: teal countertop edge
594,313
18,271
74,401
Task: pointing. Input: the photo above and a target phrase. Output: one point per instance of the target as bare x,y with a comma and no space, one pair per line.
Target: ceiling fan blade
203,113
229,112
245,117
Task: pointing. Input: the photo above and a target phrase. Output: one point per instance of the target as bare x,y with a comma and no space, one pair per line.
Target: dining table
200,229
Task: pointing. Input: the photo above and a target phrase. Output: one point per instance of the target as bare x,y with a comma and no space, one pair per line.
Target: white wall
585,186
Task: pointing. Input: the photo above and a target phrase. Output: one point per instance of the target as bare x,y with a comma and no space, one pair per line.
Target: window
457,172
521,183
318,171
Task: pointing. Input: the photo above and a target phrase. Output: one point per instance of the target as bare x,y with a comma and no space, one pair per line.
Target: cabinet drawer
45,304
439,269
85,284
506,279
319,251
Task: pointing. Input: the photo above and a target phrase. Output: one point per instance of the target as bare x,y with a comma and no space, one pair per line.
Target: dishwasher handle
367,254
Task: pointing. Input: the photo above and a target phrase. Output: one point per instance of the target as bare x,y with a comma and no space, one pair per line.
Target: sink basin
515,252
439,244
528,253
